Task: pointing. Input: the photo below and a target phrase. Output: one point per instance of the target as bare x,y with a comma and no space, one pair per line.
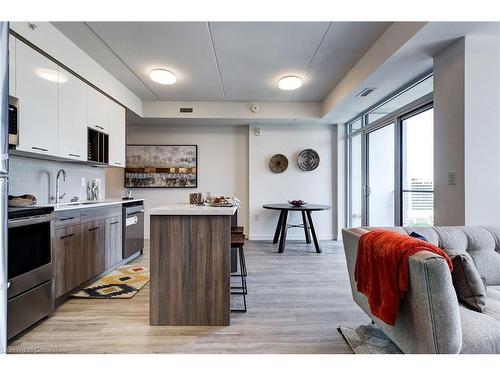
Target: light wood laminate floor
296,301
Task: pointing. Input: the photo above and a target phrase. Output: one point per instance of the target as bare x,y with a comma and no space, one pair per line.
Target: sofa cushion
483,249
481,243
467,282
480,332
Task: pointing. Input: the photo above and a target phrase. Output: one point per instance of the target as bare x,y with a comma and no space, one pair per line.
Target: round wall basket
308,160
278,163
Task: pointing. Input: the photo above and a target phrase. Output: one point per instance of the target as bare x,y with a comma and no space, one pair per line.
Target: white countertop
189,209
87,204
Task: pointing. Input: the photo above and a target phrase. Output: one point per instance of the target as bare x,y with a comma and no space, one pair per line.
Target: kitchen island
190,265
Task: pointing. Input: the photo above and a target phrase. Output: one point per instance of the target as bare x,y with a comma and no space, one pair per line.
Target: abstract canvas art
161,166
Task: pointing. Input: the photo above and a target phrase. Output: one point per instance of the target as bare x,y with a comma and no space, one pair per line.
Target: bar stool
238,242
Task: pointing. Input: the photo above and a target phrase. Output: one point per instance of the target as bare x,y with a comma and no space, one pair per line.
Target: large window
390,161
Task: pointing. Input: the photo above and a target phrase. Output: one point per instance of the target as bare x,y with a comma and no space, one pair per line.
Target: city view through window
418,170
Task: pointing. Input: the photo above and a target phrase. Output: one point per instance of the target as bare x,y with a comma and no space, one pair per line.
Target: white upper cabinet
72,117
116,135
56,108
12,65
97,110
37,80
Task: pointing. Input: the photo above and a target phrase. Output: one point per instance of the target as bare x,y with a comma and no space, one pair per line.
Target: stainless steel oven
29,267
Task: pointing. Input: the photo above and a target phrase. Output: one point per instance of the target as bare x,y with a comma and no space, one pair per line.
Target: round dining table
307,222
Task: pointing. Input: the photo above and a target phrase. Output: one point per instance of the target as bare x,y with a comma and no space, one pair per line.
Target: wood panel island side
190,265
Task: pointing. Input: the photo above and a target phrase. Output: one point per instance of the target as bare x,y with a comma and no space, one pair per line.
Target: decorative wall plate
278,163
308,160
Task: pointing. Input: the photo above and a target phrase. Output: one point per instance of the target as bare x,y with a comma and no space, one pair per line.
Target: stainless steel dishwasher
133,228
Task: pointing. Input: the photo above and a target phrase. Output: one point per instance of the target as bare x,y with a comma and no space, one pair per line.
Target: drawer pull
116,222
75,155
94,228
99,127
39,149
68,235
117,163
67,218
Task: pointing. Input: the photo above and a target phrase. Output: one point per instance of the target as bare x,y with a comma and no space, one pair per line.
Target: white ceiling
226,61
409,62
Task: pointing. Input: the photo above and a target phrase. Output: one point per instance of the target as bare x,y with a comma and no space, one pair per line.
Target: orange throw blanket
382,269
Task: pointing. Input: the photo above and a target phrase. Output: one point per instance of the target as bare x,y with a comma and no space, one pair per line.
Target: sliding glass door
418,168
380,176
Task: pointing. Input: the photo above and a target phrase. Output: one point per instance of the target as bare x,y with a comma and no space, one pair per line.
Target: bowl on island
297,202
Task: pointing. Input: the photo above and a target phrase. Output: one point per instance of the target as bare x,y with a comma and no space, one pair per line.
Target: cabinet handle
75,155
116,222
39,148
93,228
67,218
117,163
99,127
69,235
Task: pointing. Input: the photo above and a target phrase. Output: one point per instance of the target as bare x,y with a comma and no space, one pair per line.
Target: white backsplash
38,177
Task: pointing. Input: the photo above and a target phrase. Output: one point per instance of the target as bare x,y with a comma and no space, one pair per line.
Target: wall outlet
82,182
452,178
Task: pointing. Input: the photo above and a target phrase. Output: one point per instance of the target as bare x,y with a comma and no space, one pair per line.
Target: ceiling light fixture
162,76
290,83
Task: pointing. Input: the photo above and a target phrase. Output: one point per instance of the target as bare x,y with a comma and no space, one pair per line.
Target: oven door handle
13,223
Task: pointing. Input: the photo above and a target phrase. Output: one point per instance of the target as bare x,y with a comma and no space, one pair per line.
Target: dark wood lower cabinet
84,248
67,259
113,241
93,242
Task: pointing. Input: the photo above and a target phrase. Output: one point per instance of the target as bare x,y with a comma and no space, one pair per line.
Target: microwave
13,128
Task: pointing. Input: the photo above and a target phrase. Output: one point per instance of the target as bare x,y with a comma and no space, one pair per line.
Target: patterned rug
123,282
368,339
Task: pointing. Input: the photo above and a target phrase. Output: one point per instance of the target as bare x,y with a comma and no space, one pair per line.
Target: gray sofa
430,317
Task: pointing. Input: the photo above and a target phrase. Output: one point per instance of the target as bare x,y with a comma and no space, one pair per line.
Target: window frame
411,109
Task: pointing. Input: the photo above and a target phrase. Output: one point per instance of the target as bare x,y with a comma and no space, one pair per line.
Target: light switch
452,178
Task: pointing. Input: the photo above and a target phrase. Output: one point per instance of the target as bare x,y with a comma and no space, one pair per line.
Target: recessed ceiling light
290,83
163,76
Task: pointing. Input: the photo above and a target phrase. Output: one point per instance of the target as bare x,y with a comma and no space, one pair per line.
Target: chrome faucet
59,197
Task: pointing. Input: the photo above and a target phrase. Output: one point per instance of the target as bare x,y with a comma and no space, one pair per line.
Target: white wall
467,132
449,134
315,187
482,130
222,163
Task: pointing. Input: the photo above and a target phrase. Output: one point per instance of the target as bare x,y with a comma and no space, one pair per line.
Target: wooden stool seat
238,242
237,230
237,239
